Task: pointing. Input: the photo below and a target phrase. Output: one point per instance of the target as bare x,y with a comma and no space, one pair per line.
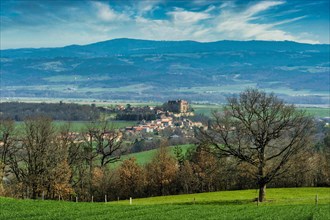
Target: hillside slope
291,203
127,69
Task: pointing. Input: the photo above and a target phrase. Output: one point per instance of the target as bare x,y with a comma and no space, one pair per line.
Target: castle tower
178,106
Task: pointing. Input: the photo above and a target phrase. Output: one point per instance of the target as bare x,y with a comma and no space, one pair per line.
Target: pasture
205,109
78,126
208,109
145,157
289,203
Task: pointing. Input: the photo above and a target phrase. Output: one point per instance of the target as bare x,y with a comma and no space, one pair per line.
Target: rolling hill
128,69
291,203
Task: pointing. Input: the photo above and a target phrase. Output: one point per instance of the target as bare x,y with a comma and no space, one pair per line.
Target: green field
208,109
146,156
290,203
239,86
318,112
78,126
205,109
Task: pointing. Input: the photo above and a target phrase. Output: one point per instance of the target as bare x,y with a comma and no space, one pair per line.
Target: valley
125,69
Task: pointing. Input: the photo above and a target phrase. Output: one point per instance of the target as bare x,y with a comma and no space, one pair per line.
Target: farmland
189,70
146,156
206,109
78,126
289,203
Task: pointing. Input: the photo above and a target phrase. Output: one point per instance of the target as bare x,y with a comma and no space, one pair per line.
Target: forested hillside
19,111
128,69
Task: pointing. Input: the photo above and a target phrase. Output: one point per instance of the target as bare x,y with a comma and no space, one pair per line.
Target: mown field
205,109
208,109
290,203
81,125
318,112
78,126
146,156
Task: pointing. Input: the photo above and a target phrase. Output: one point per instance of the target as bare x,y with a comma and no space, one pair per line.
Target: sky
55,23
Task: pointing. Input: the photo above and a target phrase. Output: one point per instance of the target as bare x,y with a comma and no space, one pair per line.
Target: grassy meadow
78,126
208,109
290,203
81,125
205,109
318,112
146,156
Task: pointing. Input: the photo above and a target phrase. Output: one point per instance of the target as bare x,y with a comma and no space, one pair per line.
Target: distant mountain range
128,69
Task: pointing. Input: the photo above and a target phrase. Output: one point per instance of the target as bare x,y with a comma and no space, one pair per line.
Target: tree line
256,141
18,111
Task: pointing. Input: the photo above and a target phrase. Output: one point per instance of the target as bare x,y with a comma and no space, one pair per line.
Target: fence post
92,198
105,198
43,195
130,200
76,198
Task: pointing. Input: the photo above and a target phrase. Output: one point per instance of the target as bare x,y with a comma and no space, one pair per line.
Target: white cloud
203,2
106,13
181,16
230,22
225,21
260,7
148,6
243,25
181,25
289,20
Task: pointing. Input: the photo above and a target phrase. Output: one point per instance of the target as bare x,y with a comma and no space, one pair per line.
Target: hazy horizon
163,41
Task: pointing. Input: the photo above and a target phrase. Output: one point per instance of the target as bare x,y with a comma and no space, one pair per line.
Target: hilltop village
174,114
174,121
146,126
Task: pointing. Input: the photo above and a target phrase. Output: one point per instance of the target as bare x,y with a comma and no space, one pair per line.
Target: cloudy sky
52,23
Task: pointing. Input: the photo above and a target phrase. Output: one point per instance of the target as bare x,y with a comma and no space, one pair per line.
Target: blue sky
53,23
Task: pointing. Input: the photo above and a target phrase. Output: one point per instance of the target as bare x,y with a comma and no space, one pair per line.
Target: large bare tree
102,143
7,141
261,130
39,159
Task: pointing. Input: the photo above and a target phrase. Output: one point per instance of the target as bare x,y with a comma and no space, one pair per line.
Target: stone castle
178,106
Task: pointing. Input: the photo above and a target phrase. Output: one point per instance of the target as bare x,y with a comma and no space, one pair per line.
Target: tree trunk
34,193
90,179
262,192
2,171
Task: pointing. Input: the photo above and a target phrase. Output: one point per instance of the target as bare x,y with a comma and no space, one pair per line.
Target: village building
178,106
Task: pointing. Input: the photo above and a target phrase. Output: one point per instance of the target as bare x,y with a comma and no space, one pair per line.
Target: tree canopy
261,130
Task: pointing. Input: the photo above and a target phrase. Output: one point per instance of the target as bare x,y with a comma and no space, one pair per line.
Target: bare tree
7,141
260,130
39,161
103,140
108,144
103,143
